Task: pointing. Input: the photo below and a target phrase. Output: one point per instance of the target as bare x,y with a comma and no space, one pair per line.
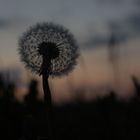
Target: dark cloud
129,27
14,21
4,23
136,2
104,40
134,23
95,41
124,30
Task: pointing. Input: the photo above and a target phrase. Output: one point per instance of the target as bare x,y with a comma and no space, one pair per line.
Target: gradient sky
86,19
91,21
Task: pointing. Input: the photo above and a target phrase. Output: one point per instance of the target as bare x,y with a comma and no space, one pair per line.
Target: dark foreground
106,118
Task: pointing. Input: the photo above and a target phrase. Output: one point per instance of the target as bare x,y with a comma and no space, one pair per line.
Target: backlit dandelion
51,41
49,50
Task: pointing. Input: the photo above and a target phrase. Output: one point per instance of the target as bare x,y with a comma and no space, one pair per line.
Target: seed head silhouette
48,41
48,49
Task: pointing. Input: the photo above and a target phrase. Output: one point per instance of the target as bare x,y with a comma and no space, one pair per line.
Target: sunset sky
91,22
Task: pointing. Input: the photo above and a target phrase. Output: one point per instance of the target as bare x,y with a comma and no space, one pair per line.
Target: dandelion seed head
52,41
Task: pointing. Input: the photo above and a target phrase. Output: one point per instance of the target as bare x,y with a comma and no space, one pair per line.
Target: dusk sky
87,20
91,22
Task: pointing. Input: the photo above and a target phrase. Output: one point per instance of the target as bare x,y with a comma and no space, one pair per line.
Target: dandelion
51,42
48,49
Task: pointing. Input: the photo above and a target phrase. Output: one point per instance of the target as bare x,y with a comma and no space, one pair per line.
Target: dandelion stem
48,105
48,101
47,93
